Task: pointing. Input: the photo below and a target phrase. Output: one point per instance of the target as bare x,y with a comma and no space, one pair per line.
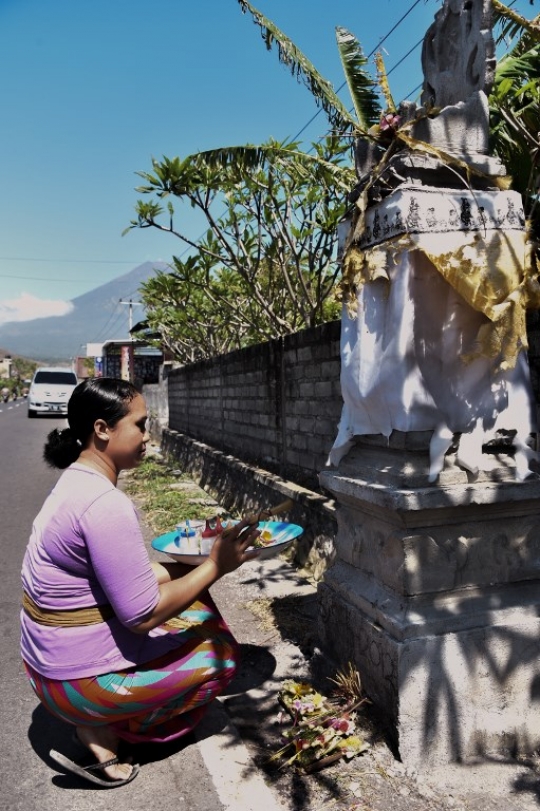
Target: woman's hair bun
61,448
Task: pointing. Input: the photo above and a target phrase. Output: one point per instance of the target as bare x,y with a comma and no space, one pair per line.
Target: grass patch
289,615
150,486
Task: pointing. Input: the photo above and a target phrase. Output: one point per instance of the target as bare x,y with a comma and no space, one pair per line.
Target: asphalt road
173,777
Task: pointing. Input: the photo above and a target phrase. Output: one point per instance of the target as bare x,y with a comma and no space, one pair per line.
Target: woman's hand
229,552
180,585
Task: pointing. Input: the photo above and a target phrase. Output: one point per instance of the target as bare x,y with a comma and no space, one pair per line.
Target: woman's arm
165,572
179,586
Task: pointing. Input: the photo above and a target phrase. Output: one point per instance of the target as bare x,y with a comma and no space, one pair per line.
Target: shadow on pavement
257,665
47,732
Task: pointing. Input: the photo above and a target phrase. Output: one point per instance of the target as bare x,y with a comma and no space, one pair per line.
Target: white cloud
27,307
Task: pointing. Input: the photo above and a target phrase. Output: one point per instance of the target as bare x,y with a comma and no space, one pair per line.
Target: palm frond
361,85
514,25
247,156
300,67
515,119
382,77
519,64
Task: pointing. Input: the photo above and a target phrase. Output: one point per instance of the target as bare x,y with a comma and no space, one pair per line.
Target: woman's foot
103,743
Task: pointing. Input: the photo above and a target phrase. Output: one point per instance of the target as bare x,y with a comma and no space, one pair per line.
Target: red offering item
210,531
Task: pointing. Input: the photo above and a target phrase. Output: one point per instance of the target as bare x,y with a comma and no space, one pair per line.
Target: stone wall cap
401,500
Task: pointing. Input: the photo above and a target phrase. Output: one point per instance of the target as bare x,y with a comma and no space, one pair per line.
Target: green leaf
361,85
266,266
513,25
238,159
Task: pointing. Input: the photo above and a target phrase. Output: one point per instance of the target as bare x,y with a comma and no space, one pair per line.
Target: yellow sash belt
71,617
68,617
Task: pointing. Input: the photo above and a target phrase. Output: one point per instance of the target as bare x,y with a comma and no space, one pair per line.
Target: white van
50,390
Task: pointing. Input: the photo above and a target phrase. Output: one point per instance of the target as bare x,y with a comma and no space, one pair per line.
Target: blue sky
91,91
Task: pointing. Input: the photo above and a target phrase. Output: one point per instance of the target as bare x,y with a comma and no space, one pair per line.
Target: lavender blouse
86,548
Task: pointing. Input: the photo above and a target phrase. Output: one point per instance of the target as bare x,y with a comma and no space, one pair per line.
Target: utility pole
131,304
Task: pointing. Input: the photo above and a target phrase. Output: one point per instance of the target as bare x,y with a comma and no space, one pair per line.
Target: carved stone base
435,597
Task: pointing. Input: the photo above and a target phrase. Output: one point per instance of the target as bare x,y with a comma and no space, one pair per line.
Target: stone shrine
434,594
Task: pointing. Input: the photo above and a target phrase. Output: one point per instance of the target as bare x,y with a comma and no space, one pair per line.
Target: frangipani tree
266,266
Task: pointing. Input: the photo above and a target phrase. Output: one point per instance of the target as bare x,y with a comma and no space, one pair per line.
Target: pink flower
342,725
390,121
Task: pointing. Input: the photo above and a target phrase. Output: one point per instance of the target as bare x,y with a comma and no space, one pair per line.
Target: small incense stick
264,515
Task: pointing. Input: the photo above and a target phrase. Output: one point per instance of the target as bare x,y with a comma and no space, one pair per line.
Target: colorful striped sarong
158,700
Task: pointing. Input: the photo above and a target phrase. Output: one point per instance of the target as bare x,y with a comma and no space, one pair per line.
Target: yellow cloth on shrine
490,270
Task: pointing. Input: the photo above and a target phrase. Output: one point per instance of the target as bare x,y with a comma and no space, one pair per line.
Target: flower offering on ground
323,729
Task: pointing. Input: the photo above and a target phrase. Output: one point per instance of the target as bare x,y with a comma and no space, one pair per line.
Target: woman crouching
121,647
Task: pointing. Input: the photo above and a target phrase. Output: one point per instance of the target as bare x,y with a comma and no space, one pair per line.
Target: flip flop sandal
86,771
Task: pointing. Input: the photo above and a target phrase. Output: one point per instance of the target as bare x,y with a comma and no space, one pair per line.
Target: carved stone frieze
424,210
450,555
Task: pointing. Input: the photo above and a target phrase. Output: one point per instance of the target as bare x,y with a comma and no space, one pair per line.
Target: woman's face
127,439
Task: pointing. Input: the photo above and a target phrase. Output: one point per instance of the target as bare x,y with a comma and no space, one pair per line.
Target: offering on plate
189,535
264,538
207,544
275,537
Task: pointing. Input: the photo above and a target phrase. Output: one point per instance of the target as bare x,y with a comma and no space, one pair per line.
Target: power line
403,58
70,261
43,279
130,304
128,262
119,315
319,111
110,327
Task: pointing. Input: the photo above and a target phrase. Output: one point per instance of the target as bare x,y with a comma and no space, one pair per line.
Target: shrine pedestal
435,597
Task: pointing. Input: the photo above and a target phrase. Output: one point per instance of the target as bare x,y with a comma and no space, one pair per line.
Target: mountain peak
97,316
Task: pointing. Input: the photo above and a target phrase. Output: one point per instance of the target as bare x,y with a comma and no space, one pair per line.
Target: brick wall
276,404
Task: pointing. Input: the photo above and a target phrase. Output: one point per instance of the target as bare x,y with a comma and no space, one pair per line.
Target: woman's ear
101,430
